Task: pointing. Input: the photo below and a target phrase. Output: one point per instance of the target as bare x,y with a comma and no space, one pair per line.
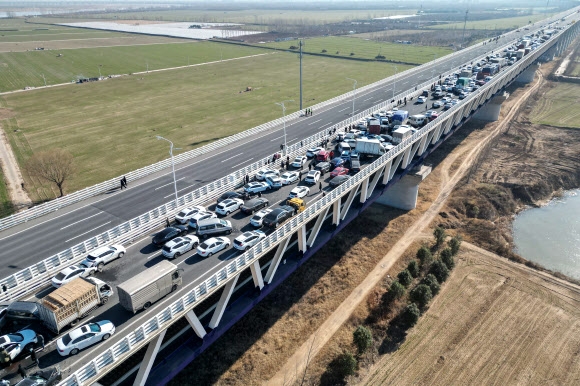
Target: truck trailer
73,301
370,147
401,134
144,289
399,118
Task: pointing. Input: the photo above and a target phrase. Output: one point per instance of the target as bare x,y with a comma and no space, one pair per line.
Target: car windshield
94,327
203,246
256,218
15,337
66,339
59,276
182,213
91,257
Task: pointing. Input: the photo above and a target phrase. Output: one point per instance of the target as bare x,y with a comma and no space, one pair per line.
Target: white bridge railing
106,186
138,337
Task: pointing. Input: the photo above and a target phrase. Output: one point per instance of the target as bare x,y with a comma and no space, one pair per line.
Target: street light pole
100,76
353,94
395,81
284,120
172,166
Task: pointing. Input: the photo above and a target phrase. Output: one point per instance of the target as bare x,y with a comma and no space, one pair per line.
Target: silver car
179,246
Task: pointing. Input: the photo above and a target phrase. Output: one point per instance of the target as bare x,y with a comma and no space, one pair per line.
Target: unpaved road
11,171
297,362
494,323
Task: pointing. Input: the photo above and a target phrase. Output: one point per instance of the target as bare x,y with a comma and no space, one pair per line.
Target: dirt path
300,359
12,174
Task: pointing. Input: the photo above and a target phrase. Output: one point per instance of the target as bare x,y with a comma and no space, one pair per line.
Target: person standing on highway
40,341
125,181
34,357
167,224
21,371
259,194
122,184
320,186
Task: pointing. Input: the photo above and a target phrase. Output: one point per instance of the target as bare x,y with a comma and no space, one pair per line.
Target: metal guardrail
39,274
69,199
137,338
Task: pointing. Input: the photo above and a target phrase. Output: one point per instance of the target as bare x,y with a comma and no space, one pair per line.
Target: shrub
439,234
410,315
362,338
454,244
293,47
421,295
324,51
396,291
337,52
424,255
345,364
405,278
440,270
352,54
413,268
432,282
447,258
380,57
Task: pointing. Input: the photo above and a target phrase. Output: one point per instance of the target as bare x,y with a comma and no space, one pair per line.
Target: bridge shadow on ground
230,352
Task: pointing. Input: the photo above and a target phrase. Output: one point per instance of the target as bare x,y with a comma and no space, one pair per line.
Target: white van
418,120
343,146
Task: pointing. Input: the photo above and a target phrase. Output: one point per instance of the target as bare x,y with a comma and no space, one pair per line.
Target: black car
21,311
322,167
338,180
278,216
169,233
254,205
48,377
425,93
227,195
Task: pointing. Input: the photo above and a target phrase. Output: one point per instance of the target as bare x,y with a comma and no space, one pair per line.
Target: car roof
100,250
23,306
69,270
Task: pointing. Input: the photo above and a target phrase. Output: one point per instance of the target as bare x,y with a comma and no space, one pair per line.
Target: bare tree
55,165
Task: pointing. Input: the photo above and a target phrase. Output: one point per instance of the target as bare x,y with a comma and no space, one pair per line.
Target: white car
312,177
275,182
421,99
438,104
256,219
262,173
255,187
101,256
289,178
213,245
84,336
187,213
200,216
299,192
12,345
179,246
228,206
299,161
313,152
247,240
71,273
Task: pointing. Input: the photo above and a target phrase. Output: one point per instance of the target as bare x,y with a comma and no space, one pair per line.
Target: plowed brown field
494,323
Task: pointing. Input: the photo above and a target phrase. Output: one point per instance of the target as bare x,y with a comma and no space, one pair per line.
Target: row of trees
416,286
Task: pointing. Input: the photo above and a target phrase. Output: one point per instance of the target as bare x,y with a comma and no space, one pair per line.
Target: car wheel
74,351
195,245
74,322
275,225
209,254
100,267
177,254
27,348
146,305
174,287
104,299
229,232
106,336
204,237
247,248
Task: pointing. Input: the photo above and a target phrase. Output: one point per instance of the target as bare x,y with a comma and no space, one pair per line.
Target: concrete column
145,367
257,274
374,182
364,190
336,212
276,261
490,111
223,302
195,324
349,201
527,76
387,172
403,194
317,226
302,239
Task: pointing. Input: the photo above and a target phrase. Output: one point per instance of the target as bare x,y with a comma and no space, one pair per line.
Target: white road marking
315,122
171,183
82,234
235,166
364,100
173,194
272,140
76,222
227,159
152,256
346,108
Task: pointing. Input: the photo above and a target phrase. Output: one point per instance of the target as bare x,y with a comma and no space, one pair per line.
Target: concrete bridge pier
490,111
527,76
403,195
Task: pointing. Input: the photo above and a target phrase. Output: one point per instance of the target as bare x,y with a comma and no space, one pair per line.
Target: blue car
336,162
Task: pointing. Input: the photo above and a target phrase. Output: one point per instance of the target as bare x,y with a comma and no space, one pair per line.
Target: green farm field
257,16
22,69
494,24
366,49
110,126
559,106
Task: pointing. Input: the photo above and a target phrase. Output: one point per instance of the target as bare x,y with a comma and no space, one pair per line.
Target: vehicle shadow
149,248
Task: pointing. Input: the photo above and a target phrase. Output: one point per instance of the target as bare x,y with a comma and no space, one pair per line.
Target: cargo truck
374,126
399,118
144,289
520,54
73,301
401,134
369,147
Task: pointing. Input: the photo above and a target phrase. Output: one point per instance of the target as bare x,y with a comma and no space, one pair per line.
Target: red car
339,171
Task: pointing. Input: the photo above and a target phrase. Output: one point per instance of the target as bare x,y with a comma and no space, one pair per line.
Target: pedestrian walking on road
309,167
167,224
33,356
40,341
287,159
247,179
122,185
300,176
21,371
320,186
259,194
125,181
